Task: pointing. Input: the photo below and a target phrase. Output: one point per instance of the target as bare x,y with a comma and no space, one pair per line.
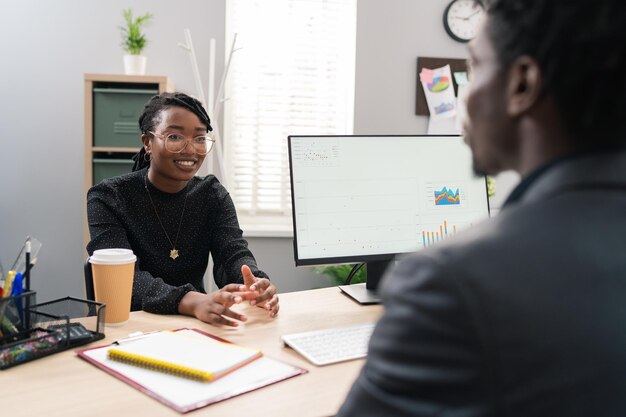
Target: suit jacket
523,315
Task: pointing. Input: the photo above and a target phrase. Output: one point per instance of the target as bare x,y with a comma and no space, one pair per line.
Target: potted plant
338,274
133,42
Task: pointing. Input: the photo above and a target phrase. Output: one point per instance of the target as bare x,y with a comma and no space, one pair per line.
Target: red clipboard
185,395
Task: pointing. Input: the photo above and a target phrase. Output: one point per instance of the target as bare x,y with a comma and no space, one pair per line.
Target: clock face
462,19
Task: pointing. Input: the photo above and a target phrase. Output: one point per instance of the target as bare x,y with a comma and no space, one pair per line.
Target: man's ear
524,85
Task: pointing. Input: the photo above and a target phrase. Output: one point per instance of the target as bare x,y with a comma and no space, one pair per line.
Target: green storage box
116,113
107,168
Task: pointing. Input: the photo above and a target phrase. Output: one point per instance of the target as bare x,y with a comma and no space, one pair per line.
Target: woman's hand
214,308
263,292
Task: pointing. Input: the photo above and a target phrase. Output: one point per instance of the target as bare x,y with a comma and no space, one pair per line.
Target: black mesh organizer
30,331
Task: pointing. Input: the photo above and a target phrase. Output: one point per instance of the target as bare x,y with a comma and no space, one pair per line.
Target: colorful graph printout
439,91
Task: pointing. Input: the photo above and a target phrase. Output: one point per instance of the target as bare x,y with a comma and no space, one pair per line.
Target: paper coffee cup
113,271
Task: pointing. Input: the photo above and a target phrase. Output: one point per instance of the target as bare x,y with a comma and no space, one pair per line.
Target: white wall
47,46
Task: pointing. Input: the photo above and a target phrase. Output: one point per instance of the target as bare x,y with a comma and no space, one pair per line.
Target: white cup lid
112,257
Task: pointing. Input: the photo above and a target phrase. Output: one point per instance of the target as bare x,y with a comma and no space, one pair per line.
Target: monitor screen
369,198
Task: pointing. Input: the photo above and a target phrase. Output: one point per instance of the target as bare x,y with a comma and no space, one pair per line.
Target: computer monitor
370,198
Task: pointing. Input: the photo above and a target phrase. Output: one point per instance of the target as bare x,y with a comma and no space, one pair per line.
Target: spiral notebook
177,353
185,394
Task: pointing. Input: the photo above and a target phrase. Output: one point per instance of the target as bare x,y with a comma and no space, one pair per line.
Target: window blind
292,74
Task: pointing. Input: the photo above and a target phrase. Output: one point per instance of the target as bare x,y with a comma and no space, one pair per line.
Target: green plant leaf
133,40
339,273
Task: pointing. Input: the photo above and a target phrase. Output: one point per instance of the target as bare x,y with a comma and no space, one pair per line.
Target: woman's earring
147,156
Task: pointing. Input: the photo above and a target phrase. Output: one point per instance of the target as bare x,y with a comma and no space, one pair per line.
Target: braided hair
152,113
580,46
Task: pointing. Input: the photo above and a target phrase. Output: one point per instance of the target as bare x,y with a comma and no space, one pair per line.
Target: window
292,74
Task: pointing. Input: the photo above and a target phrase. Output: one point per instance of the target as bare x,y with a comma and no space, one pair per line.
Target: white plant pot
135,64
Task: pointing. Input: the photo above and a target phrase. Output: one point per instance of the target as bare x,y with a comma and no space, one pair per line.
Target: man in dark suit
525,314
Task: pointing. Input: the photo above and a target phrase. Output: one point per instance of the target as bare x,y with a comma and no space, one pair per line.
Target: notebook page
205,354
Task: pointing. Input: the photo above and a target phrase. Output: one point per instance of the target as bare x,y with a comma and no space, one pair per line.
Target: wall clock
462,18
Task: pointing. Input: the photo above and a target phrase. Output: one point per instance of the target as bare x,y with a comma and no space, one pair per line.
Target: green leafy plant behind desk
339,273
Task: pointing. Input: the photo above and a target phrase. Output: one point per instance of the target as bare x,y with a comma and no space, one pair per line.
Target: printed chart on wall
364,195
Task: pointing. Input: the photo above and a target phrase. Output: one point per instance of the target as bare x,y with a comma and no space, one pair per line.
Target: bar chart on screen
438,233
433,233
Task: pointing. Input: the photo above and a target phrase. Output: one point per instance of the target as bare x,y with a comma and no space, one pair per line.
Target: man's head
547,79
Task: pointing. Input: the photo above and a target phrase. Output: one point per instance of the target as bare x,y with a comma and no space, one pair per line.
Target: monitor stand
360,294
366,293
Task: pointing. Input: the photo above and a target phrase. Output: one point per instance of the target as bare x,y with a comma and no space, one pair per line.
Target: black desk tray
31,331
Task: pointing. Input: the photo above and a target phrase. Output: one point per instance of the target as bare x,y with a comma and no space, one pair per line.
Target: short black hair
580,46
152,113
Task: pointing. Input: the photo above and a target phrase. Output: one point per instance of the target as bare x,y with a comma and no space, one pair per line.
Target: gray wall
390,36
275,256
47,46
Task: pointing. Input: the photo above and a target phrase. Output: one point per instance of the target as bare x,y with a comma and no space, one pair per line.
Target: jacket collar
596,170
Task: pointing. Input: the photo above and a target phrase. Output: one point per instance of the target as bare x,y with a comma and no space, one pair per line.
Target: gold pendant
174,253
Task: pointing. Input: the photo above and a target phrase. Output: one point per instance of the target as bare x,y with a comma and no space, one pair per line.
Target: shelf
163,81
114,149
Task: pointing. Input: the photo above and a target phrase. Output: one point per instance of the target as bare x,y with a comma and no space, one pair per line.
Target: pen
134,336
17,288
8,283
27,266
1,279
8,326
16,291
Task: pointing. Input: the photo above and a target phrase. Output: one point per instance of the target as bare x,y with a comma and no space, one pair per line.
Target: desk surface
65,385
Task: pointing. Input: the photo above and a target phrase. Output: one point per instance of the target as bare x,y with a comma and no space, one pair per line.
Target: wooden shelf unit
157,82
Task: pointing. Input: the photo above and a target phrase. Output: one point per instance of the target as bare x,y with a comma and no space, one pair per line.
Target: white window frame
280,224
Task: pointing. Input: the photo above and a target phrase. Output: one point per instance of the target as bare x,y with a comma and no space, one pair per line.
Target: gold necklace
174,251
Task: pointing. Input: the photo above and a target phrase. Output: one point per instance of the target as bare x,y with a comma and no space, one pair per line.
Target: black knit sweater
121,216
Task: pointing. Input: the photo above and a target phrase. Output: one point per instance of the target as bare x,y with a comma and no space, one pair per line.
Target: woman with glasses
173,220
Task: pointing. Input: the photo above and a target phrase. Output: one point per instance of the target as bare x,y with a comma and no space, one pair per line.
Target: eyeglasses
176,143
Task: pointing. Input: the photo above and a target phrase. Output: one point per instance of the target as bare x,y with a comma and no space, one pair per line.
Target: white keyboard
337,344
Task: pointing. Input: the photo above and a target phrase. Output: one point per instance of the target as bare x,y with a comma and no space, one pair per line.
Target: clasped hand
214,308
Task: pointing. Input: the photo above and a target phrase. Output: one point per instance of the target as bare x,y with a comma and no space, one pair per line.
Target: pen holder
14,316
17,338
48,327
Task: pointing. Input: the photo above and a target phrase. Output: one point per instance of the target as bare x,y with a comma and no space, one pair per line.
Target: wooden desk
65,385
